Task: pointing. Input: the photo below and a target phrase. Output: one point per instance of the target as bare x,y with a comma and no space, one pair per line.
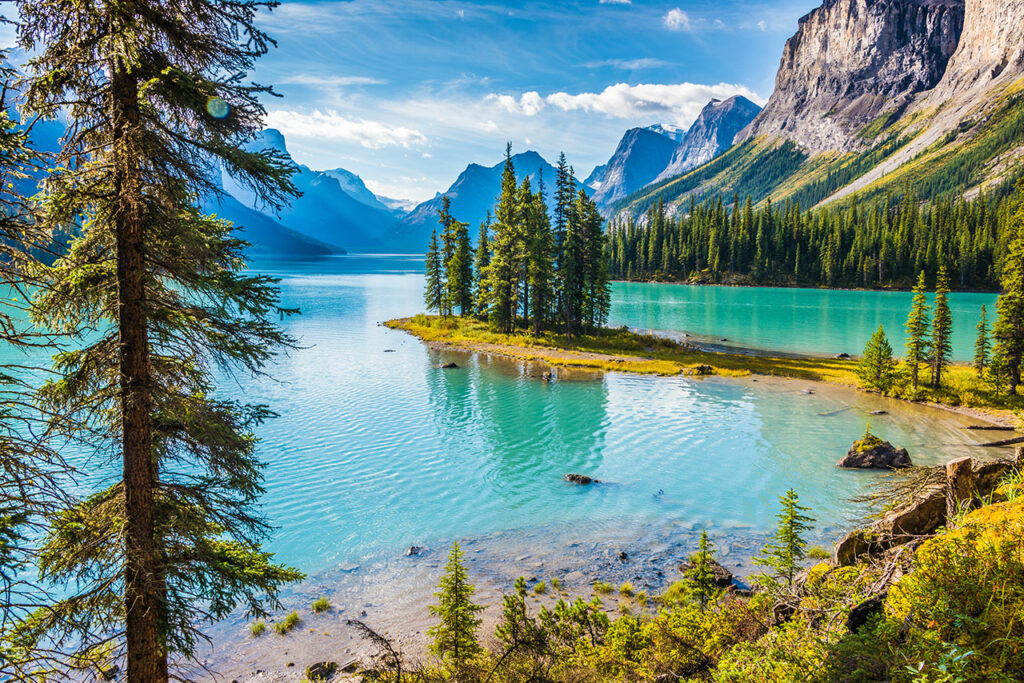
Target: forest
879,244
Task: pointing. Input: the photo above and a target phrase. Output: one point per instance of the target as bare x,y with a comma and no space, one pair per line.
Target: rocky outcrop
723,577
641,155
883,456
711,134
580,479
853,60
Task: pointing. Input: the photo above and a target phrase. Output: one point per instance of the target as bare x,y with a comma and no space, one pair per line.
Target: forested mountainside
927,96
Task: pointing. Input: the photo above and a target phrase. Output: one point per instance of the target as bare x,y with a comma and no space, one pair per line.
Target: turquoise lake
376,449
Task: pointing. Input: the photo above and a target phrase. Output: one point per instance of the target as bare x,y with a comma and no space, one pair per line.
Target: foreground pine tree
877,368
433,294
942,329
454,639
981,344
1008,331
701,575
155,294
783,555
918,325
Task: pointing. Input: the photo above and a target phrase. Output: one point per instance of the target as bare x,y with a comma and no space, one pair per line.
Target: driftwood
990,428
1004,442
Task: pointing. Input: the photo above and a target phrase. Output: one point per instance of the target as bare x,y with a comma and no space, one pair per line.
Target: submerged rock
448,366
875,455
581,479
413,551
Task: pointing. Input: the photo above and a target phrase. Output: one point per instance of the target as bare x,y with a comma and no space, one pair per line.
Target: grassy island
620,350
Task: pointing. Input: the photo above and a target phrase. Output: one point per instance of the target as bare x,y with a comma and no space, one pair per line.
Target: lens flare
217,108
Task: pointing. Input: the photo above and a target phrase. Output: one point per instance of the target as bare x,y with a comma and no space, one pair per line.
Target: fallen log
1004,442
990,428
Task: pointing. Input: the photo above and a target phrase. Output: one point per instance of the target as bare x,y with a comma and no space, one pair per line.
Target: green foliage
539,588
603,587
556,583
626,589
453,639
877,368
942,329
433,295
701,576
918,325
257,628
283,626
1008,332
321,605
816,552
783,555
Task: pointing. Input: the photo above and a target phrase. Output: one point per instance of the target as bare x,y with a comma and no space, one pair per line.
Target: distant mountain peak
711,134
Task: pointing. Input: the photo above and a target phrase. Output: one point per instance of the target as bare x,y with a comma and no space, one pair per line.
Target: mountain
472,195
711,134
851,60
641,155
873,97
674,132
325,211
266,235
354,187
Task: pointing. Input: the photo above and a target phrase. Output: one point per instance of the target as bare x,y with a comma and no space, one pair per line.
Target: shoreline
693,283
736,362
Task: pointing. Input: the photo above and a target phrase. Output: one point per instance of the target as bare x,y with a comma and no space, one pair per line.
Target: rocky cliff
852,60
711,134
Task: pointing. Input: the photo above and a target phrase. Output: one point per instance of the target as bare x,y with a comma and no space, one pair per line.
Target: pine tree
506,262
454,639
981,344
483,261
786,551
155,295
942,329
540,254
701,575
456,261
433,296
1008,332
448,241
917,327
877,368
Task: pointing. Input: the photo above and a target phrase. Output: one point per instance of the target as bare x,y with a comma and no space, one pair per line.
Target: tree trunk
146,656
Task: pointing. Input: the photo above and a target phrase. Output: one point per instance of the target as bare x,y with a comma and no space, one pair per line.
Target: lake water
377,450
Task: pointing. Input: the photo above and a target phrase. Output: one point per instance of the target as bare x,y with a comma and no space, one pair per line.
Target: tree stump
959,487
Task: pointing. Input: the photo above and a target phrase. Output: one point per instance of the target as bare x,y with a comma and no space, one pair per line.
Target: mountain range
873,96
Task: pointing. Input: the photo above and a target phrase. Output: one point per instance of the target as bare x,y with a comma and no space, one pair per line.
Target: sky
406,93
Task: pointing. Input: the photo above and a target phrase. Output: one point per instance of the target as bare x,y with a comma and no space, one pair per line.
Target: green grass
287,624
626,589
257,628
321,605
816,552
603,588
556,583
539,587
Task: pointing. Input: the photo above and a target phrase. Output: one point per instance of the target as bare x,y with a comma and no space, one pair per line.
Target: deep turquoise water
376,449
807,321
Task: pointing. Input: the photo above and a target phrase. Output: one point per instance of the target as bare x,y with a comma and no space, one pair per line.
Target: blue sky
407,92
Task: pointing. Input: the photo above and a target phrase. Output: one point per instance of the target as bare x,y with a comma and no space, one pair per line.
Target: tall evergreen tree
877,369
540,248
433,295
506,252
453,638
156,293
457,262
483,261
981,344
918,325
787,550
1008,331
942,329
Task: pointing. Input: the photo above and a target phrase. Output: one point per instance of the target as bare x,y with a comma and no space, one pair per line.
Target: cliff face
711,134
852,60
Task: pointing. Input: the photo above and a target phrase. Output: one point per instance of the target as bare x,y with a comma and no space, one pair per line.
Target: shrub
539,587
626,589
287,624
556,583
257,628
321,605
603,588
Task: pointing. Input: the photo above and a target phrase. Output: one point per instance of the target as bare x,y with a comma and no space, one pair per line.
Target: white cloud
332,126
628,64
763,25
678,103
616,2
677,20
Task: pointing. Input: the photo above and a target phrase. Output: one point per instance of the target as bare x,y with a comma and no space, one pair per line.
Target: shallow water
377,450
805,321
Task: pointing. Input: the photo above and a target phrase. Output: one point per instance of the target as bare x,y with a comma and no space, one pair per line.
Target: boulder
581,479
413,551
919,518
850,547
448,366
883,456
860,614
989,475
702,370
321,671
723,577
842,356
